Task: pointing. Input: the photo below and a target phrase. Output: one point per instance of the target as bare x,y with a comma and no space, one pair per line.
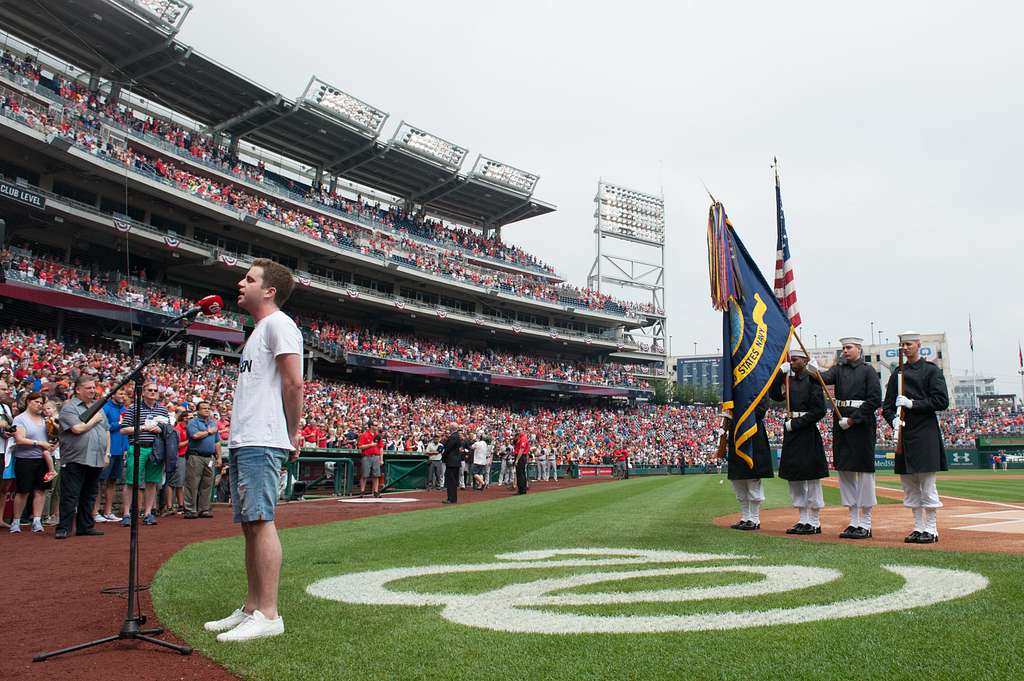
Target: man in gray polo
203,453
84,452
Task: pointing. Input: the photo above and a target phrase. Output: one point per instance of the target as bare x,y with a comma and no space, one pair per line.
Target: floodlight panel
431,146
344,105
170,12
500,173
630,213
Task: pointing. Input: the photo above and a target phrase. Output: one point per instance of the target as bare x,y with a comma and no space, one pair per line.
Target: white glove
904,401
784,368
789,425
845,423
897,422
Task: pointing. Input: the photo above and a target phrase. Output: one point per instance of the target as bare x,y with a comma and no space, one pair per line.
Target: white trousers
806,494
857,490
920,495
750,494
919,491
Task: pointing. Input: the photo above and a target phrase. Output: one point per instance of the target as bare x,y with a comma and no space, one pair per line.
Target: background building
969,390
699,370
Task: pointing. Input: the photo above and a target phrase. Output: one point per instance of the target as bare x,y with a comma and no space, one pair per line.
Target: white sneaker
37,525
15,527
254,626
112,517
99,518
229,622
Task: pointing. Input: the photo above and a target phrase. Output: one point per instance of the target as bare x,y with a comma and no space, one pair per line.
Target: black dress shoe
812,529
750,525
860,533
797,529
60,534
738,525
928,538
848,532
912,537
91,532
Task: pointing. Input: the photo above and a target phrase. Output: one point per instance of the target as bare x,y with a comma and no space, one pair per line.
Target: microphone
209,305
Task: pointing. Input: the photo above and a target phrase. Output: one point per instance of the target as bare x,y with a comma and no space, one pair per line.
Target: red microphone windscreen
211,304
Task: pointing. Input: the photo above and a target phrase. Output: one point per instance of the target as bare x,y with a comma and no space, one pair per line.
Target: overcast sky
897,125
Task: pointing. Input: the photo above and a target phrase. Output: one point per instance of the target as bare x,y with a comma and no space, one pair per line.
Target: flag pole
817,375
974,373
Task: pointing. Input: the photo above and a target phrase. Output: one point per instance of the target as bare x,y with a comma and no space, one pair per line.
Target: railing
228,320
170,289
493,372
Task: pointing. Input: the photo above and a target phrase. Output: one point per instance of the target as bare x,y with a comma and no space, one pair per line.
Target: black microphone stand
131,627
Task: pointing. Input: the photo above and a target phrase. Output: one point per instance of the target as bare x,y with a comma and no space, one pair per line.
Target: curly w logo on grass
518,607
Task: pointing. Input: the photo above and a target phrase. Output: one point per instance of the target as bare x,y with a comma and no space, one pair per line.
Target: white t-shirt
480,453
257,414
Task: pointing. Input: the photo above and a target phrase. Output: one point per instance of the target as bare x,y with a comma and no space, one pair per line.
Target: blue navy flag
756,333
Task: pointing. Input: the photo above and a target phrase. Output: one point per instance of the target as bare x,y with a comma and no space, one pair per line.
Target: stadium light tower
506,176
341,105
170,13
630,216
430,147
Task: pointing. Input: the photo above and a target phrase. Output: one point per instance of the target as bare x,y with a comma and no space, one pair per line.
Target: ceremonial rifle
900,410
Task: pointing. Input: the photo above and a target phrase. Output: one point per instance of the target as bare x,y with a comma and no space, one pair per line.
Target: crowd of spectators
336,412
135,290
342,338
131,289
449,255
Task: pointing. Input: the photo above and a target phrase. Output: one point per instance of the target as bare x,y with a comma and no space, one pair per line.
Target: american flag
785,287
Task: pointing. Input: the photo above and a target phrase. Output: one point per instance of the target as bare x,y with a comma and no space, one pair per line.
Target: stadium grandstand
138,174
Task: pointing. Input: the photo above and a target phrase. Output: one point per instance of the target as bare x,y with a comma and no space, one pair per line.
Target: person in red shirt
521,450
369,446
175,489
621,456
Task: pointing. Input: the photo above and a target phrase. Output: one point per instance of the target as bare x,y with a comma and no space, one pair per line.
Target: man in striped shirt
151,414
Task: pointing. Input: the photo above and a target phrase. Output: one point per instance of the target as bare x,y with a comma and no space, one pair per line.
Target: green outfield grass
1010,489
958,639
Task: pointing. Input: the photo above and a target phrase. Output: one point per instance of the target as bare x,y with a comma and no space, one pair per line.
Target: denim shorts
255,473
114,471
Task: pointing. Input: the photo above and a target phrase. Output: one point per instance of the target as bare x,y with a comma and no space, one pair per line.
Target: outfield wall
956,458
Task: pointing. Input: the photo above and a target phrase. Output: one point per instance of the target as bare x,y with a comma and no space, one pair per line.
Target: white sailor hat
851,340
910,336
797,352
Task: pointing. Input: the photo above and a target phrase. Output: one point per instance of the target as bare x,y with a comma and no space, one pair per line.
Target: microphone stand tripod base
131,627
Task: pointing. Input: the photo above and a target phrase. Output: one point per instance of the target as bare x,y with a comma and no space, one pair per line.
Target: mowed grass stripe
1009,490
330,640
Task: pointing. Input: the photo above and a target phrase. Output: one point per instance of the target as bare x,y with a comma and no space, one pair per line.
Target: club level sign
519,607
22,195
